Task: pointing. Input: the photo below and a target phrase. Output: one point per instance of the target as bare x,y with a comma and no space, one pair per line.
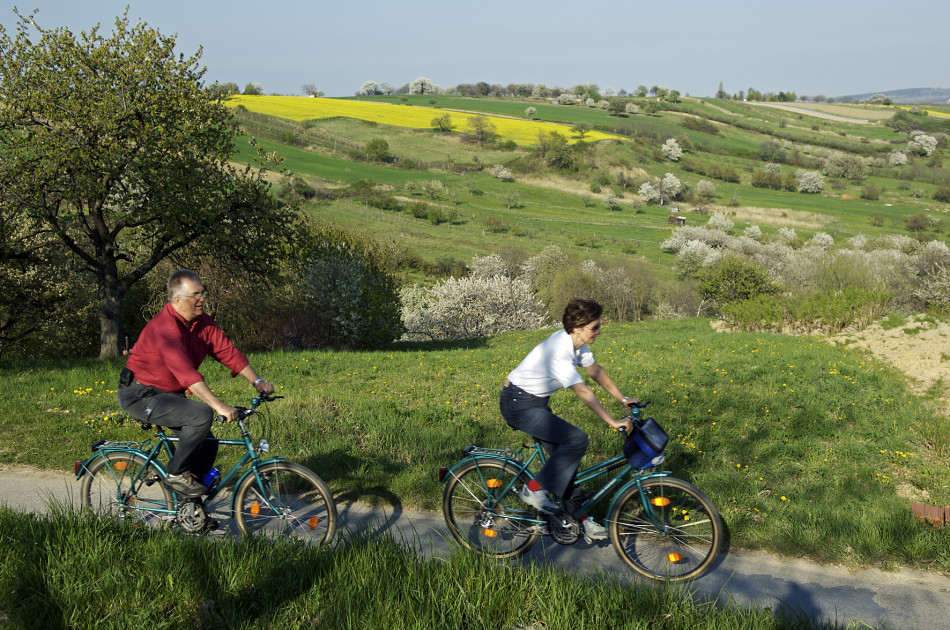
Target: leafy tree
224,89
581,129
631,108
377,150
114,146
530,113
442,123
253,89
721,93
482,129
616,107
311,90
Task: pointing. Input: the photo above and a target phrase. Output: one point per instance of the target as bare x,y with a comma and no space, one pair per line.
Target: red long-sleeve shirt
170,350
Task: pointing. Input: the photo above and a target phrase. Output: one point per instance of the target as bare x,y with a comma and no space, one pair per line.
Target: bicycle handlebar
246,412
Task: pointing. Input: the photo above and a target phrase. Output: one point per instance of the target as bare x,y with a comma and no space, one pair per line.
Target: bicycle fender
250,471
633,482
485,456
82,466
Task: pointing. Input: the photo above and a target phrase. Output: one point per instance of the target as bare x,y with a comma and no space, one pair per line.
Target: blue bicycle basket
645,444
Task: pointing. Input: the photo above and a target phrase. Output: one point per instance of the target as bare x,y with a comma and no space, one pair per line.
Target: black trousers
189,419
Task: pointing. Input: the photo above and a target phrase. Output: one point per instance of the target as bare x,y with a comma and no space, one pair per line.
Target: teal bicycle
662,527
271,497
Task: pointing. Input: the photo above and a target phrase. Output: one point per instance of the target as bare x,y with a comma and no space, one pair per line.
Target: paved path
905,599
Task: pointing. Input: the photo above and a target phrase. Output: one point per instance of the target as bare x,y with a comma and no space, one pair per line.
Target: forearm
601,377
258,383
201,390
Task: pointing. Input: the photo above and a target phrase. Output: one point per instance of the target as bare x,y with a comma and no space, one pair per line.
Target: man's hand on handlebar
227,413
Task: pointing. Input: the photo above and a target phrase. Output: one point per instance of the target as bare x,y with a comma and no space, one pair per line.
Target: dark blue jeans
564,443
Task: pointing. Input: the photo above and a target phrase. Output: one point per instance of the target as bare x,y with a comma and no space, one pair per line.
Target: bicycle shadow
366,510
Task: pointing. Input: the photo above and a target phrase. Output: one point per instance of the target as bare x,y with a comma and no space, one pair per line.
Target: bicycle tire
481,520
691,537
124,485
289,500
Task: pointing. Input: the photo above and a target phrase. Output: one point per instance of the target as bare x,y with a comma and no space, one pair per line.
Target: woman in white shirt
549,367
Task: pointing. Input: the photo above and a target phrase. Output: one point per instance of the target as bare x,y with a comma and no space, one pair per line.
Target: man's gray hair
177,279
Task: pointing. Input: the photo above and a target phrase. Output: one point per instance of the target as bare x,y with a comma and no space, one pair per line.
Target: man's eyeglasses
197,296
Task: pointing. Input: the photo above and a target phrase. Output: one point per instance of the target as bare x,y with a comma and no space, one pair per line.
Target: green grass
67,571
806,448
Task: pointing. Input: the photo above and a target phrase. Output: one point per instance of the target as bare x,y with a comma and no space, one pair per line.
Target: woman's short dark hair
580,312
177,279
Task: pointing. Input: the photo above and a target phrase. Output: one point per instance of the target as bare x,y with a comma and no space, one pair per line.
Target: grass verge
67,570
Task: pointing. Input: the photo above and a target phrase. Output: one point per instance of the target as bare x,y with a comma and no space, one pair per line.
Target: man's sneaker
593,529
538,499
185,484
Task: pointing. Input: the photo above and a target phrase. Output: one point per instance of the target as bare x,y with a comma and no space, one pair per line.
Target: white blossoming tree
809,181
423,86
671,149
921,144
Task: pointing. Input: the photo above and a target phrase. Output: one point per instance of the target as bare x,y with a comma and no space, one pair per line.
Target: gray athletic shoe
538,499
593,529
185,484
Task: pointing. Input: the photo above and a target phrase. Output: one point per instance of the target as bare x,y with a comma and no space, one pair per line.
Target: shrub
735,278
942,194
471,307
347,279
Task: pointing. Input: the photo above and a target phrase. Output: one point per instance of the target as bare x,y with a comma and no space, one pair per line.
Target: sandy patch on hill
921,350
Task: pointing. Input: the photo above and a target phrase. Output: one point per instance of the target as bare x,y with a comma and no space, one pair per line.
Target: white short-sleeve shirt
552,365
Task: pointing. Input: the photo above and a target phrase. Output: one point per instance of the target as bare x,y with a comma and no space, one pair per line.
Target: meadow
808,449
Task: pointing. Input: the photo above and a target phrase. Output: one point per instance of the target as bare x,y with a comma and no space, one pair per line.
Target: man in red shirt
163,367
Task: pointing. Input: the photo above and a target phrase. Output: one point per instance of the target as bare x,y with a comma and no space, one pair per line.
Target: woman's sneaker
593,529
538,499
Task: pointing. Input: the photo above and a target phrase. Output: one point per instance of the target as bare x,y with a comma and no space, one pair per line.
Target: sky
810,47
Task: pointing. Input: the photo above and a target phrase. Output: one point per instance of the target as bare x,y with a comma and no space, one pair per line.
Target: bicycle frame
151,453
476,453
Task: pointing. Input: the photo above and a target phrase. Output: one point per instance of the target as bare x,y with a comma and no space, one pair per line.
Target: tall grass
806,448
65,570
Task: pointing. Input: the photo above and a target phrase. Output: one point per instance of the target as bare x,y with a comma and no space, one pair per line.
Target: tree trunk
110,312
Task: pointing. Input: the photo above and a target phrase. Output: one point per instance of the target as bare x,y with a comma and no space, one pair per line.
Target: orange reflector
255,508
493,483
313,522
121,465
674,557
489,533
660,501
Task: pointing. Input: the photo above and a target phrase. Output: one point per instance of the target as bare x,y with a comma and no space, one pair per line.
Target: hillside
587,203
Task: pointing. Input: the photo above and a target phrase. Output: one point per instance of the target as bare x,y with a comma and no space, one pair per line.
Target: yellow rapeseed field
522,132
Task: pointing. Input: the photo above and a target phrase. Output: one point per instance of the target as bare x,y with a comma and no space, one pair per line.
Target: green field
567,207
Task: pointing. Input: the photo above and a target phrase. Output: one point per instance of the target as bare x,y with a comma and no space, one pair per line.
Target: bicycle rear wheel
689,537
289,500
121,485
484,513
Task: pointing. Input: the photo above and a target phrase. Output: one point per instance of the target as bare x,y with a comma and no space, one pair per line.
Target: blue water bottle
211,478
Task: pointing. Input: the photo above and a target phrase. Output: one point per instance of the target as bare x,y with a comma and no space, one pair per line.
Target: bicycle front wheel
125,485
687,540
484,513
285,499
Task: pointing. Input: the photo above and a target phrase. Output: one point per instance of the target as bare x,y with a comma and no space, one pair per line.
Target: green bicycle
662,527
271,498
